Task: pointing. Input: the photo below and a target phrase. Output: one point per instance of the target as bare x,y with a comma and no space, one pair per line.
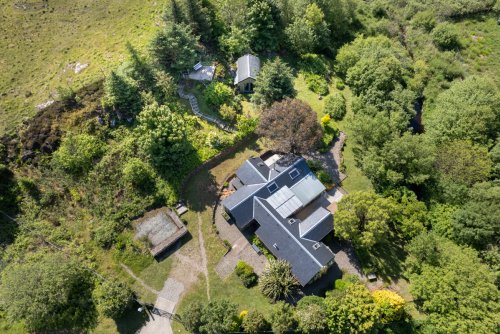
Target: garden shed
248,67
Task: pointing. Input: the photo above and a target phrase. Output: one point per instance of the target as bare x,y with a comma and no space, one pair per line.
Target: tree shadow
131,321
9,206
385,260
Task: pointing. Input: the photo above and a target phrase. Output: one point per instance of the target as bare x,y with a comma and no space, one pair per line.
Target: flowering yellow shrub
325,119
243,314
391,304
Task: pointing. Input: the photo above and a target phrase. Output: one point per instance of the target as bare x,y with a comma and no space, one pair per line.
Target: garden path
332,159
193,102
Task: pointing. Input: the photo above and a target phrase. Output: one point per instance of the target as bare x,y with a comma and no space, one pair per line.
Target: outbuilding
248,67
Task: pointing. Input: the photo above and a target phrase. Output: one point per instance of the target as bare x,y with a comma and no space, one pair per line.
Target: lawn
34,62
200,202
356,180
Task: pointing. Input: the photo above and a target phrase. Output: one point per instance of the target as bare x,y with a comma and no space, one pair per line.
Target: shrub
316,83
77,153
425,20
391,305
217,93
335,106
316,64
112,298
138,173
254,322
446,37
277,282
228,113
246,274
330,132
105,235
340,85
67,96
324,177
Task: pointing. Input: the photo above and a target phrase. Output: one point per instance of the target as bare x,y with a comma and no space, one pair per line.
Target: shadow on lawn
385,260
132,321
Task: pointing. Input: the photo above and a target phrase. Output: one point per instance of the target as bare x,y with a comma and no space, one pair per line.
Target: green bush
425,20
228,113
105,235
330,132
316,64
112,298
446,36
316,83
340,85
257,242
246,274
217,94
335,106
138,174
77,153
324,177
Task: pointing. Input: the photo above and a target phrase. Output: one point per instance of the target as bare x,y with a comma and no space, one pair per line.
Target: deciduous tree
292,126
112,298
282,318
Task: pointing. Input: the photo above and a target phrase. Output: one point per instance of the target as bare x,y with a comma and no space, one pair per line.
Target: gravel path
332,159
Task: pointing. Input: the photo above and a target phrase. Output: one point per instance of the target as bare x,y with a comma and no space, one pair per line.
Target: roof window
316,245
272,187
294,173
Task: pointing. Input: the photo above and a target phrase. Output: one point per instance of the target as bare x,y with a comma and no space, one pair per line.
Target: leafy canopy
274,83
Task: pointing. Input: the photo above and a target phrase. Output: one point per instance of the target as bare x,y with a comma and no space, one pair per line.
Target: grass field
38,46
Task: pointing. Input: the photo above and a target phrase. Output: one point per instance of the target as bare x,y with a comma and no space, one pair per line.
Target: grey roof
296,240
308,188
248,66
314,226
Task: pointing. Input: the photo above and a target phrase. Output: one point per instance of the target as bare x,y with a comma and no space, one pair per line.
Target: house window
272,187
294,173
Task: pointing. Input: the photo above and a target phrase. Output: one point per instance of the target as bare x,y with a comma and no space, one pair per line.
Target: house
248,66
284,200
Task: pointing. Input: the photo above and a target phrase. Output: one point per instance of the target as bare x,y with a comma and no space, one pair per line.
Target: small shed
248,67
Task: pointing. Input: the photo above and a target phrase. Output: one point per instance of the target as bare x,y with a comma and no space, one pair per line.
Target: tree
263,24
274,83
51,293
121,94
363,218
452,286
477,223
174,47
77,153
166,88
440,218
282,318
234,43
404,161
391,305
468,110
446,37
217,94
162,136
335,106
173,13
308,33
463,162
352,311
139,69
254,322
191,318
200,16
311,315
138,174
292,126
112,298
219,316
277,281
410,215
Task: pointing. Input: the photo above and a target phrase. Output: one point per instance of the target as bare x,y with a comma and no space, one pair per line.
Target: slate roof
248,66
286,199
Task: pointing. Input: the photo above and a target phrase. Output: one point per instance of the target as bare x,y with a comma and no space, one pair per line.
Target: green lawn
356,180
38,44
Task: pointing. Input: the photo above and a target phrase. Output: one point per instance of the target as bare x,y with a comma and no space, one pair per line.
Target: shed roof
248,66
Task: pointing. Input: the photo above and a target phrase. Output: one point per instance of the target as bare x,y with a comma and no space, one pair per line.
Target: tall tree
292,126
200,16
263,23
477,223
452,286
363,218
173,13
162,136
468,110
174,47
308,33
282,318
274,83
121,94
51,293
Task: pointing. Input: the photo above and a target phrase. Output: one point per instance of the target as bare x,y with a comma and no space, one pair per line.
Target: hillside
41,44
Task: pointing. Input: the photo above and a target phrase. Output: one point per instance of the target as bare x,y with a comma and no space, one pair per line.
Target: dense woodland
424,121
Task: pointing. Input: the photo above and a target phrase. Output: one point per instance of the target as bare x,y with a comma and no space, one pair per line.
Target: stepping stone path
196,110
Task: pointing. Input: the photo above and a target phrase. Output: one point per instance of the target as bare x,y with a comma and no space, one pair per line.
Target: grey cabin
248,66
288,204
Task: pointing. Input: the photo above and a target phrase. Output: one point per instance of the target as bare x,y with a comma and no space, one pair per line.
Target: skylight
294,173
272,187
